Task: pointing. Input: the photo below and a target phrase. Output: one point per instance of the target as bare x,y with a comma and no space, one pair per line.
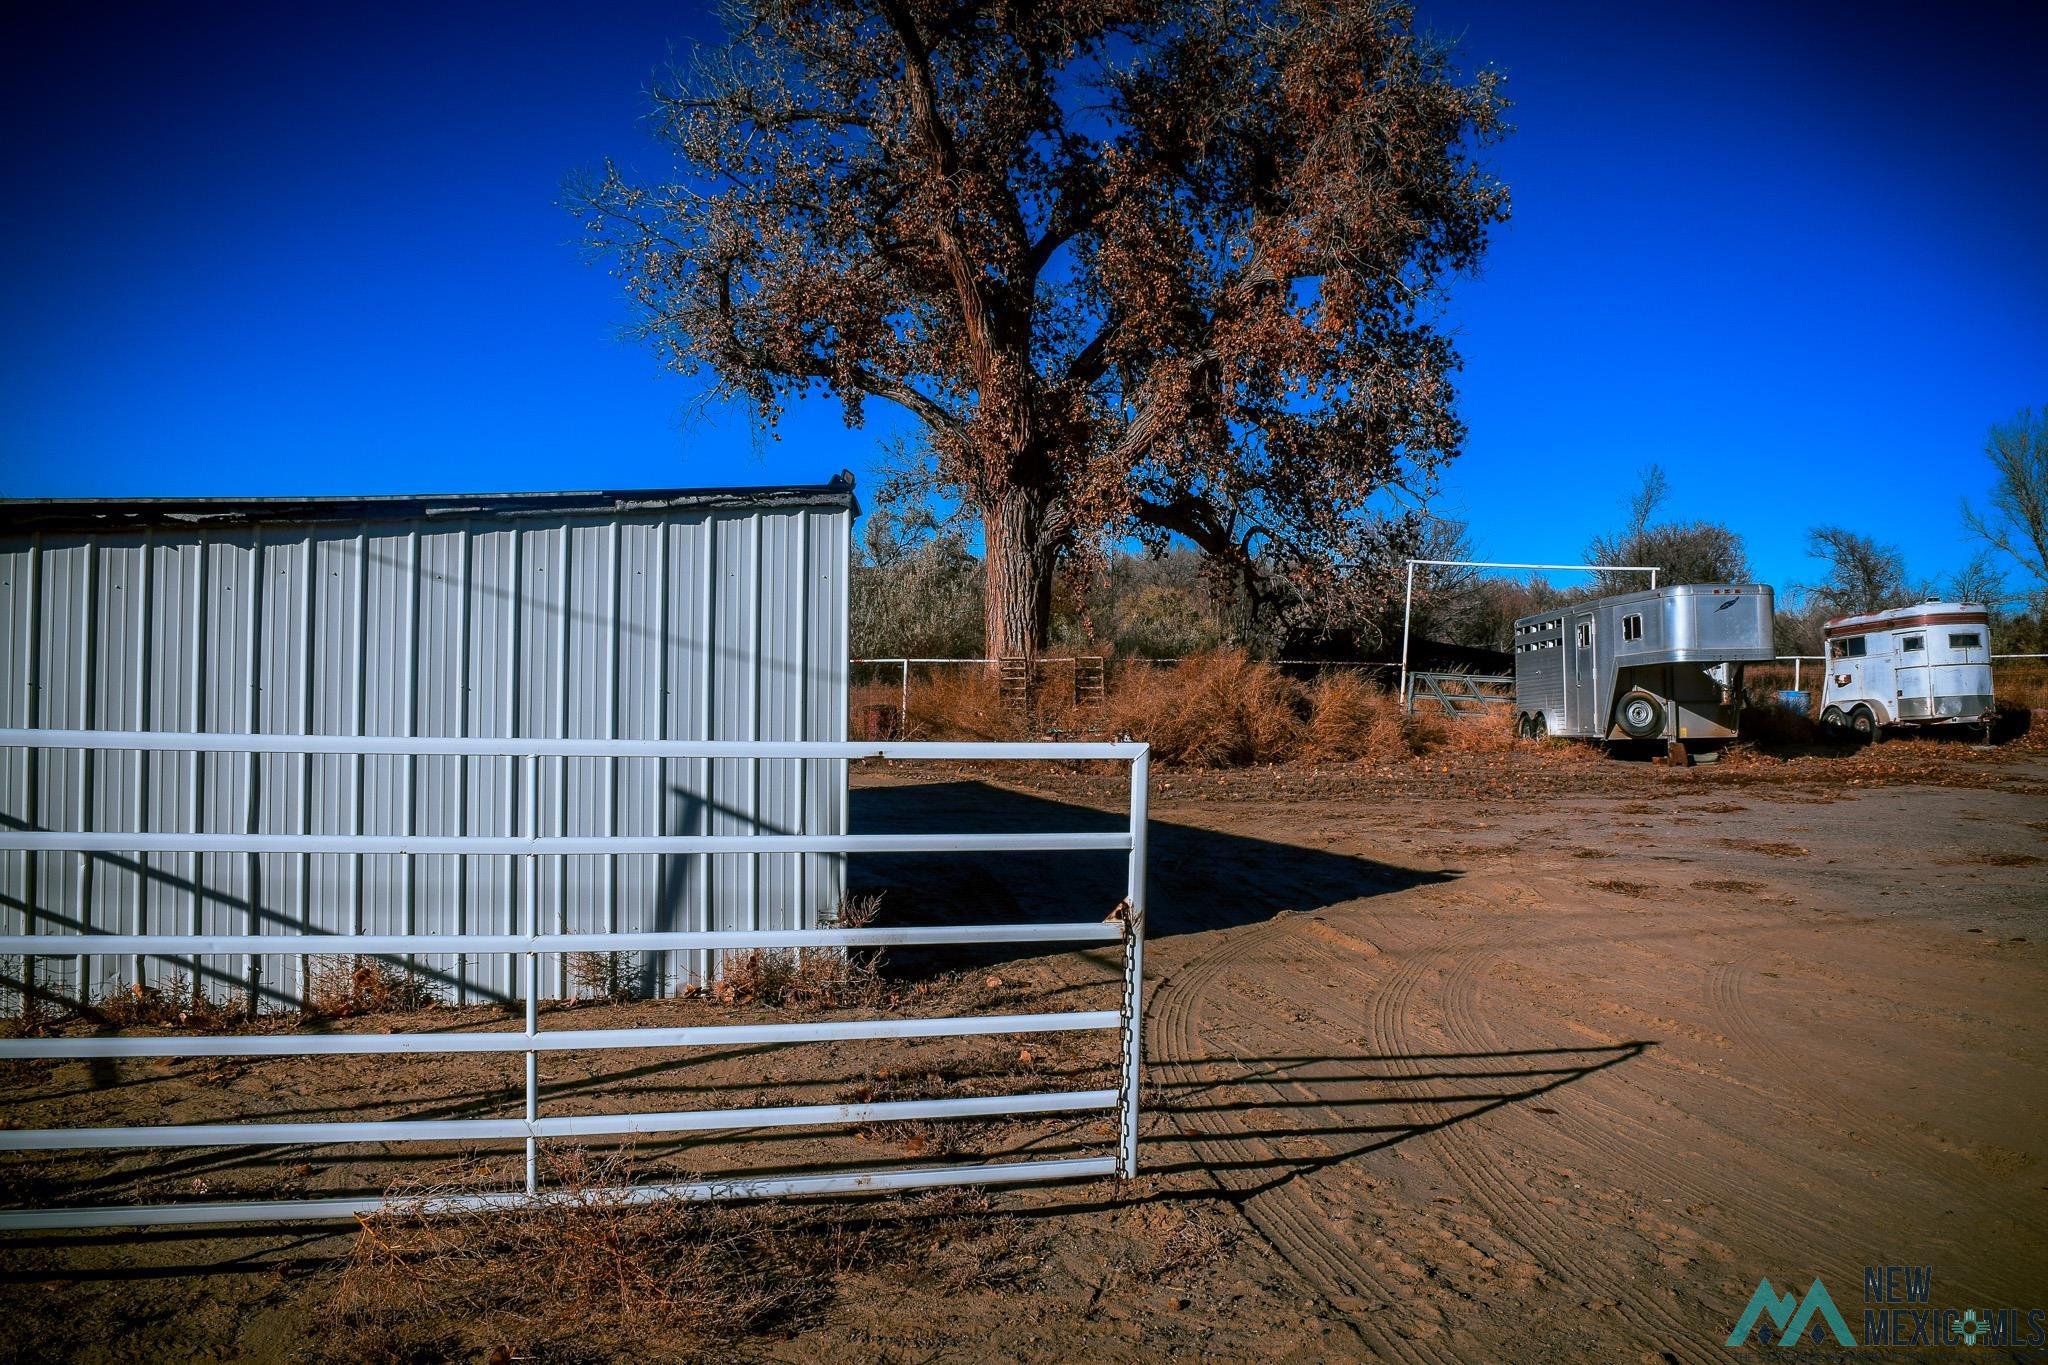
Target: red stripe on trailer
1938,618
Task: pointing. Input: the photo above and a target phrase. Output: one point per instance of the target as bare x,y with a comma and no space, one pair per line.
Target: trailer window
1851,648
1632,627
1968,639
1585,634
1913,644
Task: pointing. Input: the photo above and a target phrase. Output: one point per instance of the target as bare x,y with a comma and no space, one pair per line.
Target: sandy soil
1515,1057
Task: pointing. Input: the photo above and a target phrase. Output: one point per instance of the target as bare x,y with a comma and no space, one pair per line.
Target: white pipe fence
1127,927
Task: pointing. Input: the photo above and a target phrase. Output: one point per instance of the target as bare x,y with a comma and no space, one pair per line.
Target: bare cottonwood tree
1862,575
1681,551
2017,524
1140,268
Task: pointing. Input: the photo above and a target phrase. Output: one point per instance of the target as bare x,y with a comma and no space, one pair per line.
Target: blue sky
1794,254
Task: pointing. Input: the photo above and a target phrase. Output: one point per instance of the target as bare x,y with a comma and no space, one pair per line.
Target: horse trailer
1659,665
1922,665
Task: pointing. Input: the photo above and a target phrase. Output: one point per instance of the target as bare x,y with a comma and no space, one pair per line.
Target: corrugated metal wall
720,624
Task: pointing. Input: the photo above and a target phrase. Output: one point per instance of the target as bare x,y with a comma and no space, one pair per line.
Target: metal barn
660,614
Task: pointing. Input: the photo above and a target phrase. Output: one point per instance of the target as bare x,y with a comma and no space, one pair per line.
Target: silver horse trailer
1660,665
1928,664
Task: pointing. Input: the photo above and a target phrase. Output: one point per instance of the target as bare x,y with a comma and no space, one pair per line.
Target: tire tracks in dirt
1280,1213
1552,1241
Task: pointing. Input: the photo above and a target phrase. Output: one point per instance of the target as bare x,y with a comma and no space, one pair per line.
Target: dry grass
1617,886
2021,683
1766,847
179,1003
1215,710
341,987
1221,709
596,1277
961,703
1179,1237
1349,718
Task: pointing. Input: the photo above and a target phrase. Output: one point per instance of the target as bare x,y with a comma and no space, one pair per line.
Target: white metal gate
526,850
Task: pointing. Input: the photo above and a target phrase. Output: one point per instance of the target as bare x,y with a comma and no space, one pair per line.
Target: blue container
1795,701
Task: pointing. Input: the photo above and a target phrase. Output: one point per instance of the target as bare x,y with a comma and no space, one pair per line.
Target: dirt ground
1521,1057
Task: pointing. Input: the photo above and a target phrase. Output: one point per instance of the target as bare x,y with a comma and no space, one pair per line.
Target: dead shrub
1219,709
920,1137
808,978
1179,1237
1487,731
613,977
340,987
1350,718
961,702
178,1003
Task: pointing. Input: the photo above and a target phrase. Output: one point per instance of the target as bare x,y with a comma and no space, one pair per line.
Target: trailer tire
1640,716
1863,725
1833,724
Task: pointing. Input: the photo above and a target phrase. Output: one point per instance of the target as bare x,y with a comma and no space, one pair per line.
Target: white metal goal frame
1127,927
1408,597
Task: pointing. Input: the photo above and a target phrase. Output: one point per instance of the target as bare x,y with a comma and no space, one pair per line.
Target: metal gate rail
1458,694
1126,927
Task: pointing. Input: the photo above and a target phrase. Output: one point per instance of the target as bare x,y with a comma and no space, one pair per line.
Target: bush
343,987
1349,718
179,1003
807,978
961,702
614,977
1218,709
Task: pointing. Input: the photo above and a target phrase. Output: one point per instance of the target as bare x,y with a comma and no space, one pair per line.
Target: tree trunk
1019,568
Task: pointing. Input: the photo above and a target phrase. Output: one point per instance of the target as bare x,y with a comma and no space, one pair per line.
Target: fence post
532,975
1134,968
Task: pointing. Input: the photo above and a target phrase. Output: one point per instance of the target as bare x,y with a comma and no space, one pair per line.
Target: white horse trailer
1661,665
1928,664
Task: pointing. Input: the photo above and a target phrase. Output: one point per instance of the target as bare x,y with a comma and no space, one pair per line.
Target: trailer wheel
1863,724
1640,716
1833,724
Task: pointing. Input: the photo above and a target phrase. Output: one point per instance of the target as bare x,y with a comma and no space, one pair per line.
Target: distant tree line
918,584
